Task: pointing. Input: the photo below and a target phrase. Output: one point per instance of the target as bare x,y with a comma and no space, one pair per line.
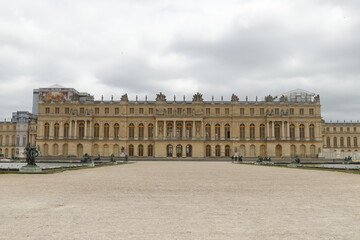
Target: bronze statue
86,158
31,154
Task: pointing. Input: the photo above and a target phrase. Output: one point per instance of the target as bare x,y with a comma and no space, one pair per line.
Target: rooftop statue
317,98
124,98
234,98
270,98
197,97
283,98
160,97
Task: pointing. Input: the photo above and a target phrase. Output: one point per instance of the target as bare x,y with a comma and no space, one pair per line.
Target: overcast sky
142,47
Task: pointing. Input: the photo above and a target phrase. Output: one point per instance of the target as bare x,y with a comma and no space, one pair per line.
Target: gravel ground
181,200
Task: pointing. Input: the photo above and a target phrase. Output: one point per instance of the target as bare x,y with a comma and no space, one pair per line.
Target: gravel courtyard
181,200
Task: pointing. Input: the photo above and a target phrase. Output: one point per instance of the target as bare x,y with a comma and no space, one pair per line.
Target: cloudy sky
141,47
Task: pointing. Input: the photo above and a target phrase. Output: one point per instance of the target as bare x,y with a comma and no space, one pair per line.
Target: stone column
282,129
272,129
85,129
288,130
184,129
156,128
202,129
267,130
61,130
90,128
75,132
193,129
70,129
51,130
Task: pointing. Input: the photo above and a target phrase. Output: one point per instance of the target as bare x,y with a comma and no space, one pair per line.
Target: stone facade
73,123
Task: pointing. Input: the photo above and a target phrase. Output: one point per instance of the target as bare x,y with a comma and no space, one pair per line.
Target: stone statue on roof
124,98
234,98
197,97
270,98
160,97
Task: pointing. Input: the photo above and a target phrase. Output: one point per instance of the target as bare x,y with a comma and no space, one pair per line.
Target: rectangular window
252,111
117,110
217,111
227,111
47,110
242,111
151,111
169,111
106,110
82,110
208,111
291,111
311,111
132,110
178,111
334,129
301,111
262,111
141,110
188,110
57,110
67,110
277,112
97,110
341,129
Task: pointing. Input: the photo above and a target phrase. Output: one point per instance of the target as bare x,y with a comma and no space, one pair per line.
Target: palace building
71,123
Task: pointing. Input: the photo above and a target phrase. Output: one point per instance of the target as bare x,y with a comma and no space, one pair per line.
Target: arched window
302,131
81,130
188,150
217,132
131,150
348,141
106,150
96,130
116,130
188,130
252,131
106,130
278,151
242,131
252,151
292,151
292,131
65,150
179,150
141,131
335,142
7,143
47,130
208,131
56,130
150,151
262,131
66,130
80,150
341,142
116,150
208,151
302,151
312,151
140,150
227,151
131,130
227,131
328,144
312,131
217,151
169,150
169,129
277,131
263,151
355,142
55,149
95,150
150,131
179,130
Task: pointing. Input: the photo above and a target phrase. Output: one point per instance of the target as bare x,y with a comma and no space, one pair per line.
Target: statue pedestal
30,169
294,165
91,164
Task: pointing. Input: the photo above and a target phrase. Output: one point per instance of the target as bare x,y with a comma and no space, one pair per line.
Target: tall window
341,142
131,130
252,131
150,131
335,142
242,131
277,131
328,142
262,131
188,130
208,131
227,131
302,131
47,130
188,150
66,130
131,150
140,150
179,130
96,130
217,151
150,151
217,131
292,131
169,150
141,131
116,130
355,142
227,151
312,131
106,130
81,130
348,141
208,151
169,129
56,130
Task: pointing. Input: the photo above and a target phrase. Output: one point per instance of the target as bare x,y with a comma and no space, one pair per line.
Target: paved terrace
181,200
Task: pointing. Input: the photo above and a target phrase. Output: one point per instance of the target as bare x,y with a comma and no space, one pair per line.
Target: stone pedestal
91,164
30,169
294,165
